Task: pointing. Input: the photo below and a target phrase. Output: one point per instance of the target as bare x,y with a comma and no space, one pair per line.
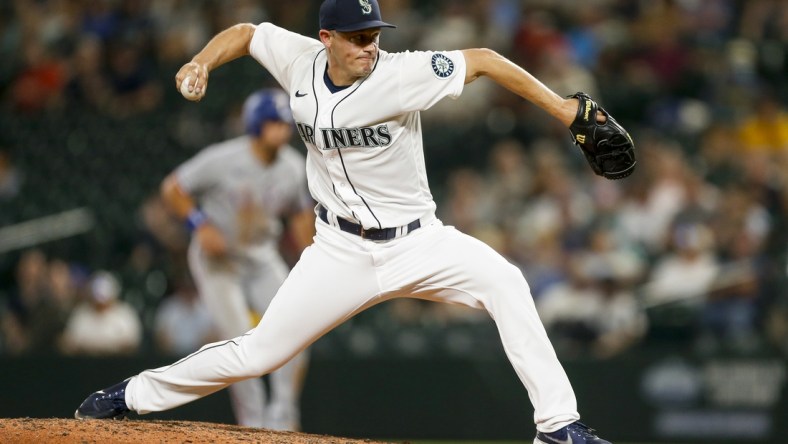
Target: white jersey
364,163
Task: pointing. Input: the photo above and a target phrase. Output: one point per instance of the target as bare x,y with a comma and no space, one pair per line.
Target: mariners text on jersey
333,138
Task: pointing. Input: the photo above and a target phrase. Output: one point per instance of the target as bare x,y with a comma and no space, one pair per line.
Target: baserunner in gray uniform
233,196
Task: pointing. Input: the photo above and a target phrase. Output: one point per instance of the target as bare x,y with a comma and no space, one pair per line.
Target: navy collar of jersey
329,84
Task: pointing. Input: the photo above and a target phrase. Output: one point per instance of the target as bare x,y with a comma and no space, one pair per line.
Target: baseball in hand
192,95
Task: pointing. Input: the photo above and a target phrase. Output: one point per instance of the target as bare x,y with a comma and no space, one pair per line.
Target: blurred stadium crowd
688,253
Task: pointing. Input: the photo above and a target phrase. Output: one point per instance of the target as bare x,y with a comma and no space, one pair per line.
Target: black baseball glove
607,146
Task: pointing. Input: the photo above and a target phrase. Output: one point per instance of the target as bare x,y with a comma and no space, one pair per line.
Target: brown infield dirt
59,430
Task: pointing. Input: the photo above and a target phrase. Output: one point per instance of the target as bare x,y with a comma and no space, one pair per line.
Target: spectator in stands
659,34
134,86
563,74
39,85
10,177
594,312
103,324
88,83
183,323
656,195
560,205
32,321
182,27
537,31
568,310
614,268
717,156
63,285
685,275
731,312
765,130
509,180
412,24
468,207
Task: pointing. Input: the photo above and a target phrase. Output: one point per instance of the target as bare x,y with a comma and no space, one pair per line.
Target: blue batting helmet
263,106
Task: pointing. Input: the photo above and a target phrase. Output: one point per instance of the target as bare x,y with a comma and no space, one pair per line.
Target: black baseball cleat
109,403
574,433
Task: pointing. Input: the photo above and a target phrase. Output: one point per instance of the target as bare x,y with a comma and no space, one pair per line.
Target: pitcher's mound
58,430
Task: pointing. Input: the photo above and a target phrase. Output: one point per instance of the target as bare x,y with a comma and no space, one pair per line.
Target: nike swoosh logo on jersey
300,94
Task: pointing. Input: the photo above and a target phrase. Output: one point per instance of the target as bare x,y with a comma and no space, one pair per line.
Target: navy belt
378,234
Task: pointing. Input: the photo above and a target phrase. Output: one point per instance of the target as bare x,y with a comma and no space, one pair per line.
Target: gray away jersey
365,157
242,197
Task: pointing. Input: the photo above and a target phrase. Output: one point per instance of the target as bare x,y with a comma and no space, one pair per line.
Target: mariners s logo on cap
366,8
442,66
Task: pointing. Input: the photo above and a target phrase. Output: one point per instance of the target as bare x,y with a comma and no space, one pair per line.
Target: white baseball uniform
245,199
365,165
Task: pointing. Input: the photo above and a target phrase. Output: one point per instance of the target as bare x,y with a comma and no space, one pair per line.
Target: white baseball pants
341,275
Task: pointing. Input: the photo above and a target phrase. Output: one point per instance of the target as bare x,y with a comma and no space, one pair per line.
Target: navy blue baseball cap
351,15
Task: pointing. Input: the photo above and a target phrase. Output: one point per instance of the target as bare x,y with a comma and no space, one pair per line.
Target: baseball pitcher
357,109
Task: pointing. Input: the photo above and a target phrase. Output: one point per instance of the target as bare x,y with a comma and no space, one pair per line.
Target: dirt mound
58,430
